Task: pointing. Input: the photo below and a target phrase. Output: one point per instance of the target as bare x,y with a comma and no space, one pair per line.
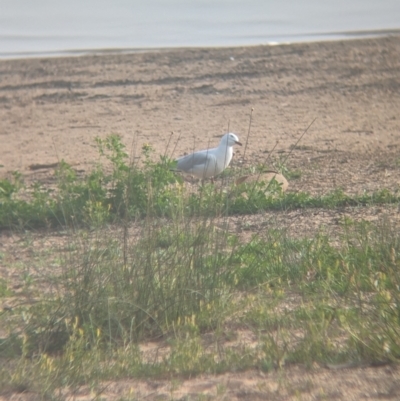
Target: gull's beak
238,143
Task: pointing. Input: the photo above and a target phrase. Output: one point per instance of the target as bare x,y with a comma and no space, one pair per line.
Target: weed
122,190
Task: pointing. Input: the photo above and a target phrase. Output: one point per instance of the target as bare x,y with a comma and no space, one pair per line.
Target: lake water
49,27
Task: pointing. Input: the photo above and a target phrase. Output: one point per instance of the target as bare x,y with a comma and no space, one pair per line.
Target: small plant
279,164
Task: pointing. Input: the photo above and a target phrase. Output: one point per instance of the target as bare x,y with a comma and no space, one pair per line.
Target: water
49,27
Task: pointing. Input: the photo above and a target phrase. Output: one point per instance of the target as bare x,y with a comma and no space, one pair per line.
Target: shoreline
311,38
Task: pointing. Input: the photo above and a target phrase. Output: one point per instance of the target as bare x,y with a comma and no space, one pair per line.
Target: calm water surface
46,27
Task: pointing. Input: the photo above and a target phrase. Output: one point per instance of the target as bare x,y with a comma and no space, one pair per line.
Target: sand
53,108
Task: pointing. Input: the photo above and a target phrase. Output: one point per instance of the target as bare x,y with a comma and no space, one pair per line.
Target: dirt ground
53,108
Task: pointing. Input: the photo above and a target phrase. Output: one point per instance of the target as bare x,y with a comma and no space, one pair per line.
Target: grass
172,272
116,190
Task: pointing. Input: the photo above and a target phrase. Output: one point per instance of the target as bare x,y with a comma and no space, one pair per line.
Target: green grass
306,300
173,273
116,190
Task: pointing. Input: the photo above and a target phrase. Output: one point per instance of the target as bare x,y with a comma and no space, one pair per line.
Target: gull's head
230,140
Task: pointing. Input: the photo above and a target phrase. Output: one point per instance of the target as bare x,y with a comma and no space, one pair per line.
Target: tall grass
174,273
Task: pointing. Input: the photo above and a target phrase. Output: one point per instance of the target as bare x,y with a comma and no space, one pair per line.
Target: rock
266,177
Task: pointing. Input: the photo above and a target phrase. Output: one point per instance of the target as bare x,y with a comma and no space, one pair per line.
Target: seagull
211,162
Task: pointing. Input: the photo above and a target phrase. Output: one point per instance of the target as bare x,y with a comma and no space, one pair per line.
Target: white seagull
211,162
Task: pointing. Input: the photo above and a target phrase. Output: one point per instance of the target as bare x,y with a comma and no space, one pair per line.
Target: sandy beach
54,108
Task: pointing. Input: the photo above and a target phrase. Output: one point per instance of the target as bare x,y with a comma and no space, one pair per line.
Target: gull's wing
195,160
